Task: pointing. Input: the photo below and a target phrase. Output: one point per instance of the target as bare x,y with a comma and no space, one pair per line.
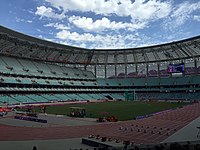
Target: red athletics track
138,131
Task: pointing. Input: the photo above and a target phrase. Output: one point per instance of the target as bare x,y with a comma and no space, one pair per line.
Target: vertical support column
184,67
95,70
105,71
170,73
115,61
147,69
158,69
84,67
115,70
195,65
136,68
125,70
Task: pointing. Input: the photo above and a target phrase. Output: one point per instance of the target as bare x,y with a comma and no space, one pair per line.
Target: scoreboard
176,68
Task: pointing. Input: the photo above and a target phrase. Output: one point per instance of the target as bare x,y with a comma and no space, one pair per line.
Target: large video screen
176,68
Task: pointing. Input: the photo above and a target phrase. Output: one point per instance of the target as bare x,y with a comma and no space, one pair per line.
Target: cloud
38,30
57,26
44,38
116,23
29,21
180,14
108,41
138,10
197,18
48,12
88,24
138,13
97,6
149,10
23,20
67,35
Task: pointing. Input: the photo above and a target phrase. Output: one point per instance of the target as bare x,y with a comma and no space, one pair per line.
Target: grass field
122,110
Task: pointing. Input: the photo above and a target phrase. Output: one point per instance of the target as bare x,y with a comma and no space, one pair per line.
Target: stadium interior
38,72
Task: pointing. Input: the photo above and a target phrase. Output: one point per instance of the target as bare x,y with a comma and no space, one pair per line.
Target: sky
103,24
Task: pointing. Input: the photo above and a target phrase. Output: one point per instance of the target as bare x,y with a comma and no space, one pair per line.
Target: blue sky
103,23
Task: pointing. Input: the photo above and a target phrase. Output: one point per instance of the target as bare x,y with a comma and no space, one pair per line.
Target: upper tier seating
190,70
23,75
155,73
24,67
151,81
17,71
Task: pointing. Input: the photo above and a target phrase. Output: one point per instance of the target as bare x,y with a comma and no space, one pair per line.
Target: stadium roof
20,45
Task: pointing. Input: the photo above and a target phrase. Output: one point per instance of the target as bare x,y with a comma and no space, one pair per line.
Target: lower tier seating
43,98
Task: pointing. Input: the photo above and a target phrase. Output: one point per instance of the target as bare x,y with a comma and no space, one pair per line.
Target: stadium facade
34,70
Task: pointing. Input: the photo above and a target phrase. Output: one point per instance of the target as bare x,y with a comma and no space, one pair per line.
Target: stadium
40,74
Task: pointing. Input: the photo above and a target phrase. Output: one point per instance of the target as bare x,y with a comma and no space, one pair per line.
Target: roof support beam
135,57
145,57
156,55
178,54
179,47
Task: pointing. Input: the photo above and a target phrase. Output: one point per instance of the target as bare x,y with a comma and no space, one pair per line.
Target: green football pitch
121,109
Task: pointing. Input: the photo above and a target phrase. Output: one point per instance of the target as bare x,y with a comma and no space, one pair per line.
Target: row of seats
17,66
154,73
168,96
36,98
151,81
45,89
20,75
26,80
